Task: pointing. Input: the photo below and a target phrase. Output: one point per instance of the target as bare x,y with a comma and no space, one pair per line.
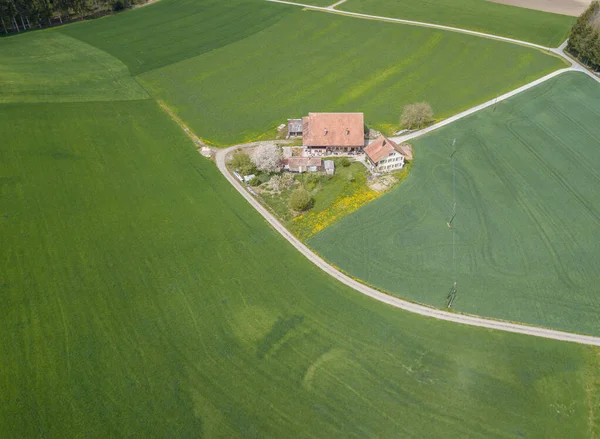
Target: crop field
523,244
233,71
174,30
240,91
538,27
51,67
142,296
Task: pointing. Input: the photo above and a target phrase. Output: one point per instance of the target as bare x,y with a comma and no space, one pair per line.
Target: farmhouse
302,164
333,132
385,155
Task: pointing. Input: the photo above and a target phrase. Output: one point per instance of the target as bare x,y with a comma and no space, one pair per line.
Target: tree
21,15
584,37
416,115
300,199
267,157
241,163
281,182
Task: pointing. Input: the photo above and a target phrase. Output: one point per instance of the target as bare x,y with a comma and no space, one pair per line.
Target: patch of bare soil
149,2
564,7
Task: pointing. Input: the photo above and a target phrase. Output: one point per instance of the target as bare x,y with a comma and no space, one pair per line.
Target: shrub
287,180
241,163
300,199
281,182
312,180
256,181
345,162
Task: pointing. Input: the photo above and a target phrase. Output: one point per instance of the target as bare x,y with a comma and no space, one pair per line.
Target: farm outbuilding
329,166
302,164
294,128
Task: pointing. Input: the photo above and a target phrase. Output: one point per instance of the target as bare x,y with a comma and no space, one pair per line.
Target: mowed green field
51,67
143,297
528,214
538,27
174,30
240,91
234,71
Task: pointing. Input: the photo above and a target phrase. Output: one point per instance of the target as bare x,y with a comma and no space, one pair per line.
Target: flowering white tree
281,182
267,157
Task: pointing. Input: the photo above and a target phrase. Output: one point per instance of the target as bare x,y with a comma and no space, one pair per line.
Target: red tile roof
295,163
406,150
381,148
334,130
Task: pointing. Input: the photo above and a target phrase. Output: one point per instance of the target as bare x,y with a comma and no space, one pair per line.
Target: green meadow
237,93
233,71
173,30
51,67
544,28
523,245
143,297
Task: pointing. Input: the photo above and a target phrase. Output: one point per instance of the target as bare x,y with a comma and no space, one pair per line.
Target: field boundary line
396,302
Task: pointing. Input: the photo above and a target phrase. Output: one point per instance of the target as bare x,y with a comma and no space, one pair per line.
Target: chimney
347,132
325,132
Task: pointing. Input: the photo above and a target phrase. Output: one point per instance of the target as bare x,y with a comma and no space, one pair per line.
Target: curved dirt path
382,297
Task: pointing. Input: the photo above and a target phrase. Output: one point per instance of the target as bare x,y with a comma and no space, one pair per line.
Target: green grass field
174,30
235,70
240,91
51,67
527,214
142,296
539,27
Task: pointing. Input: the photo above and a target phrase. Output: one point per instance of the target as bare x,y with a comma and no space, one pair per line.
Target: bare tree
267,157
416,115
